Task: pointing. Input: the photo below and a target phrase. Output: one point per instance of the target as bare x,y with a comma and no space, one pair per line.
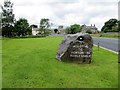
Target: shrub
89,31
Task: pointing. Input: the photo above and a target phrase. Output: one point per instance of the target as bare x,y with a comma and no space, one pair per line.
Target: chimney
94,25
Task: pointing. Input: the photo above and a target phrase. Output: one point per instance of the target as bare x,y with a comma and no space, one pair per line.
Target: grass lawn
31,63
0,63
106,35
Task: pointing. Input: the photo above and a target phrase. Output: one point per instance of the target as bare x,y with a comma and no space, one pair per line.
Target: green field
106,35
31,63
0,63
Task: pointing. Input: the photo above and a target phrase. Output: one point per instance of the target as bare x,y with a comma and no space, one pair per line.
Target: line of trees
112,25
11,27
17,28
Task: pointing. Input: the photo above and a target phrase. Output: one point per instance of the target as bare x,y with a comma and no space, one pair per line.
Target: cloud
66,12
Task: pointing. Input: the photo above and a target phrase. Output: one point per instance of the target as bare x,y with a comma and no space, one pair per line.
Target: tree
67,30
89,31
7,19
110,26
44,25
56,30
118,26
75,28
0,24
22,27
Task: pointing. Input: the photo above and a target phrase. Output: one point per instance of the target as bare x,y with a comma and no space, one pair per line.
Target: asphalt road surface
56,35
108,43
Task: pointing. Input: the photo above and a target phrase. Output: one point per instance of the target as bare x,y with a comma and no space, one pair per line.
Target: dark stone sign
76,48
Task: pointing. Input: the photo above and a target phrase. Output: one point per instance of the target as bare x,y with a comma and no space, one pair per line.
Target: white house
35,31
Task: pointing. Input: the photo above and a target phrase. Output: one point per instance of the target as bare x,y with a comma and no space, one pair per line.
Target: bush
29,36
89,31
100,35
33,36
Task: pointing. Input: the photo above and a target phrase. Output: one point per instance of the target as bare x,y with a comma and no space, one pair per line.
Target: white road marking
107,49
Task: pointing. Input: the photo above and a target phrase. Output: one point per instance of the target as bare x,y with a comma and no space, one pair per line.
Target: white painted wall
34,31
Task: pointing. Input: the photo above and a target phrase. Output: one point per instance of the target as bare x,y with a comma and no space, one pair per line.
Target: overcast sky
66,12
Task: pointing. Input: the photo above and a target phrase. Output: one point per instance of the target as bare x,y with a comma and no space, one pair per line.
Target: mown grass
106,35
31,63
0,63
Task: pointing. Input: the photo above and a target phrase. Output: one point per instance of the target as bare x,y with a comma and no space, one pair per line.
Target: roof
92,27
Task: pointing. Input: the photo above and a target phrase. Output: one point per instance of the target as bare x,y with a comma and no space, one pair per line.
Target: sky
66,12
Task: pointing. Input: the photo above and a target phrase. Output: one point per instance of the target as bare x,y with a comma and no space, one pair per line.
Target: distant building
119,10
91,29
61,30
35,29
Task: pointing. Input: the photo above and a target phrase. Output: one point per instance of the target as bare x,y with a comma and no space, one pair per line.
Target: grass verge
106,35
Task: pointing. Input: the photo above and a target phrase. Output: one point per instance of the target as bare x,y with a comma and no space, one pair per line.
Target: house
61,30
35,29
91,29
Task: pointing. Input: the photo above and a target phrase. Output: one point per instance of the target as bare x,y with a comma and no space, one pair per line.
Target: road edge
106,49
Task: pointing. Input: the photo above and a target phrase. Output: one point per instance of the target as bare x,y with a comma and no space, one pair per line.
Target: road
108,43
56,35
